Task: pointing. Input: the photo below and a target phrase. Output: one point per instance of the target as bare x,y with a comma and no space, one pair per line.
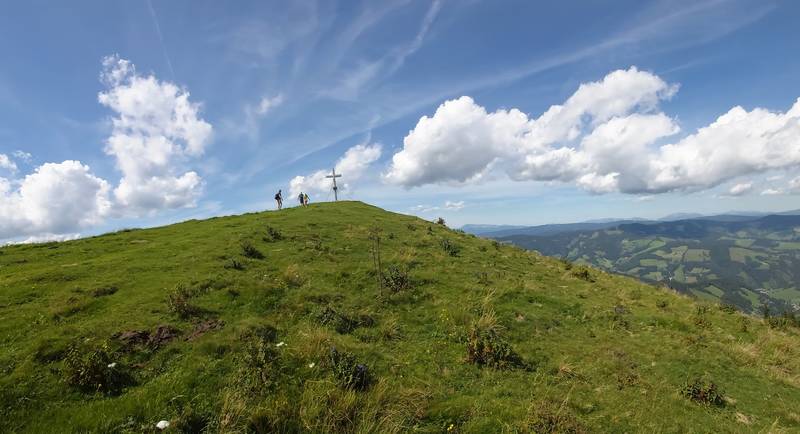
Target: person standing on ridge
300,197
279,199
305,199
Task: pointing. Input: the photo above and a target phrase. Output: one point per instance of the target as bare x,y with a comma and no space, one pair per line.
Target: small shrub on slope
396,279
450,247
179,302
703,391
233,264
550,418
701,317
786,319
94,370
619,317
104,291
347,372
343,323
260,365
744,324
390,329
582,272
250,251
272,235
292,277
485,346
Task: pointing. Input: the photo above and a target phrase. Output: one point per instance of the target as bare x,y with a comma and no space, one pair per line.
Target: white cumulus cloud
45,238
794,185
741,188
351,166
22,155
448,206
454,206
7,164
157,130
609,136
772,192
57,198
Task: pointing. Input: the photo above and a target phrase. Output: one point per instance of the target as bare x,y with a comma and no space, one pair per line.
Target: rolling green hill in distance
342,317
742,261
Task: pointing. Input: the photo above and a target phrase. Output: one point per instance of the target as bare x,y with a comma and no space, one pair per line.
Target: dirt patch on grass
204,327
161,336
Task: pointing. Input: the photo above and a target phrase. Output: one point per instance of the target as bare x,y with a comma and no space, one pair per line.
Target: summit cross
333,175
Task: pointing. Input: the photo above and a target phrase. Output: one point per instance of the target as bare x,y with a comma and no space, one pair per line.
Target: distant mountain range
745,259
495,231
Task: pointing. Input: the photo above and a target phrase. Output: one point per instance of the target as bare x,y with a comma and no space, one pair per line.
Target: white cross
335,188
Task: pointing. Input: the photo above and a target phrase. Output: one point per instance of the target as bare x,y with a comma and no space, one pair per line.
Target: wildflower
311,365
280,344
112,365
162,425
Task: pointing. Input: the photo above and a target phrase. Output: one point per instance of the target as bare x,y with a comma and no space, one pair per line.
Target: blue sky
216,106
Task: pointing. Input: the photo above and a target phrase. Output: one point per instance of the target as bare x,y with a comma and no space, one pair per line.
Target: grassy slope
598,371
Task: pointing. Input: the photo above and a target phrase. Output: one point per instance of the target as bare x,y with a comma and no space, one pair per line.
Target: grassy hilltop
275,322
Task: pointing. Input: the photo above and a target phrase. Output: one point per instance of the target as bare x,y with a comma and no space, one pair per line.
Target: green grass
675,255
744,242
740,255
697,255
679,274
653,263
703,295
788,294
602,352
654,275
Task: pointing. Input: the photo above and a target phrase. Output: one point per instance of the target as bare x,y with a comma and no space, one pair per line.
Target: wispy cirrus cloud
660,27
157,27
366,73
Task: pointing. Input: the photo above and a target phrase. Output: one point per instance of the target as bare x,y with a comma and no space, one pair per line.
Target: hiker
279,199
300,197
305,199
